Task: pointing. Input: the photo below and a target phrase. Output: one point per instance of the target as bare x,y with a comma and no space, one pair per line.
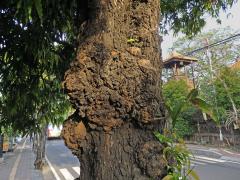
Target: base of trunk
125,153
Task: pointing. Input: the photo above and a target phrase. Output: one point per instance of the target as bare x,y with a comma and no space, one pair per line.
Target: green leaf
38,6
131,40
162,138
177,109
168,177
193,174
205,107
193,94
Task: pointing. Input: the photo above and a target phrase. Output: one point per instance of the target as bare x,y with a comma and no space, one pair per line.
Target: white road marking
228,151
205,161
197,162
209,159
77,170
66,174
14,169
52,169
232,162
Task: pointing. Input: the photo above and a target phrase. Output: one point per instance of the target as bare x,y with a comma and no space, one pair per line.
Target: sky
232,20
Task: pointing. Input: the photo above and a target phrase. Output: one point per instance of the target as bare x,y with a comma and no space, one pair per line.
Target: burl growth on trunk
114,85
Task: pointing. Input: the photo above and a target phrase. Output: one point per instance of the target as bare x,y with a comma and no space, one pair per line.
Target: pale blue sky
233,20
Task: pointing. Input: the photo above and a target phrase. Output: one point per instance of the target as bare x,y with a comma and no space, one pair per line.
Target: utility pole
209,57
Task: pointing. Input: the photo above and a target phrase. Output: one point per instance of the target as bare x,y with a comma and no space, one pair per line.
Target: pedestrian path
19,165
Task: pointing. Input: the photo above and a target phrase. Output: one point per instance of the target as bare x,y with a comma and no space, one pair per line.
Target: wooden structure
177,64
236,65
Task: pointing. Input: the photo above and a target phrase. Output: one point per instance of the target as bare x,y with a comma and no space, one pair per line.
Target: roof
236,65
178,59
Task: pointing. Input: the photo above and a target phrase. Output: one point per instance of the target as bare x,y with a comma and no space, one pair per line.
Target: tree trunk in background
34,145
40,148
114,84
1,145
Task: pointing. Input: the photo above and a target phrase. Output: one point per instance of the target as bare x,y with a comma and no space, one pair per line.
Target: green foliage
175,94
211,81
220,55
38,40
33,58
184,126
227,95
181,104
177,157
232,78
188,16
201,104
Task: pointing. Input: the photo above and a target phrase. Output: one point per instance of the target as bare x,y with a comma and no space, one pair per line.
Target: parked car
54,131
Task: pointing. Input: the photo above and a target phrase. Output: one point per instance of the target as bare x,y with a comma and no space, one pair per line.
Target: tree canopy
38,40
189,16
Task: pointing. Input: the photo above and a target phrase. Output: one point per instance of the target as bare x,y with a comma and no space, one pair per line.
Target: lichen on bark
114,85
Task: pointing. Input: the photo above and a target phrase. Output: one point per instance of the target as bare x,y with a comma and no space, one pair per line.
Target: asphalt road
63,165
66,166
215,163
219,172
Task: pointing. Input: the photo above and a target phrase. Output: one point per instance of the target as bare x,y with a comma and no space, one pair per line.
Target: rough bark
114,85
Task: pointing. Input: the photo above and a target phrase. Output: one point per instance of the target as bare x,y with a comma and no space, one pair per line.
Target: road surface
216,169
66,166
62,163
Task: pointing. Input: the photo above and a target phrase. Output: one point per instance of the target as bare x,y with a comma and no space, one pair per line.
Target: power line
214,44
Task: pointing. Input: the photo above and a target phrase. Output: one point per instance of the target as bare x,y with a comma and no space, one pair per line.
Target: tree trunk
1,145
34,145
114,85
40,148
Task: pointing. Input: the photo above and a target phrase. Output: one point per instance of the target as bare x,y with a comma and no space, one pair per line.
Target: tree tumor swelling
114,85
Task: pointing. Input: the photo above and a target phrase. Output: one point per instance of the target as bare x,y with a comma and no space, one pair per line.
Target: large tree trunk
114,85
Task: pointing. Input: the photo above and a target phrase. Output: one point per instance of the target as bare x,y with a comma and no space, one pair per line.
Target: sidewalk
18,165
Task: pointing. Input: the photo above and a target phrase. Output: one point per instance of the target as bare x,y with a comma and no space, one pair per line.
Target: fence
214,139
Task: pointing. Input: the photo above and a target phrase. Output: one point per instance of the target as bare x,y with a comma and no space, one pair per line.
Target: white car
54,131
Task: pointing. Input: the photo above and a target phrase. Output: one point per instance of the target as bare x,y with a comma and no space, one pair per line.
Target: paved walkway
18,165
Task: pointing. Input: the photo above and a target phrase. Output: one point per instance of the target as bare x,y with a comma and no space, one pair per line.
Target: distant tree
218,56
175,93
227,94
210,73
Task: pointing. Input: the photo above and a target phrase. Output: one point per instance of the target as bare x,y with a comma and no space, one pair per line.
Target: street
61,161
215,163
208,168
216,169
210,164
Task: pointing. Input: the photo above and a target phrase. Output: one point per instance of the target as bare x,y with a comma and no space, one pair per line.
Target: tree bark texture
114,85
